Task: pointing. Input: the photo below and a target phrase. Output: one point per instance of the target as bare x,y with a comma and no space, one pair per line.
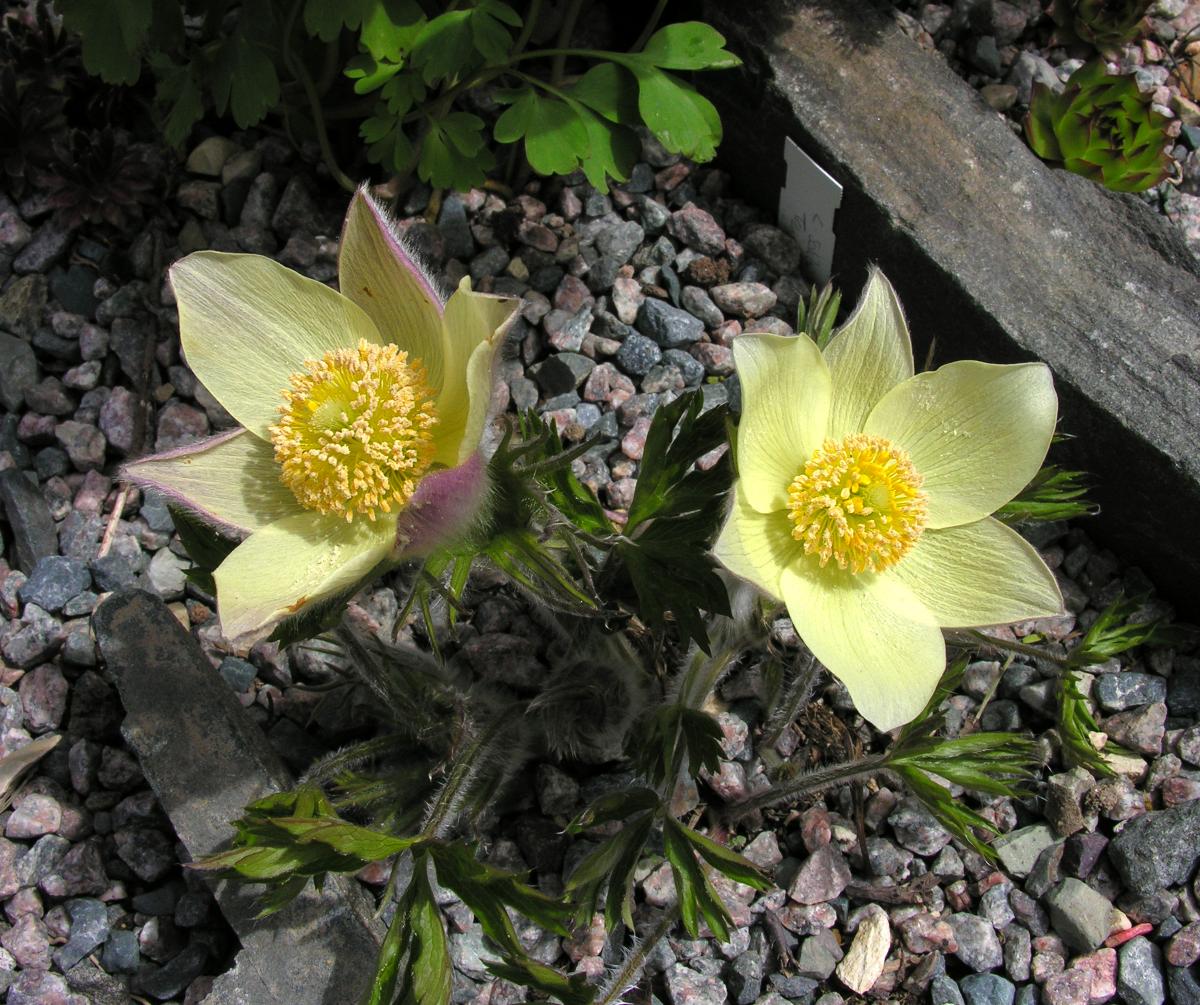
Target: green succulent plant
1102,23
1102,127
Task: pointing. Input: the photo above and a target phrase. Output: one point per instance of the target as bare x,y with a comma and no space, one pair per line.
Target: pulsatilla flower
361,411
864,495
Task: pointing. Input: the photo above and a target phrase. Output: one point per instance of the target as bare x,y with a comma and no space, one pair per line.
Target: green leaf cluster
416,65
817,317
1113,633
1103,127
1105,24
674,515
1054,494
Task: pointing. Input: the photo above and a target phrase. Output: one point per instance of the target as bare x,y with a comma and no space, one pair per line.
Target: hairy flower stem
810,781
798,691
464,772
630,969
969,637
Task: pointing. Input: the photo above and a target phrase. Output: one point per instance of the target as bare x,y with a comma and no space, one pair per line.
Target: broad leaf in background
455,152
113,35
243,79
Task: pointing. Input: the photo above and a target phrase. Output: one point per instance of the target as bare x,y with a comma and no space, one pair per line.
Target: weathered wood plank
995,255
206,760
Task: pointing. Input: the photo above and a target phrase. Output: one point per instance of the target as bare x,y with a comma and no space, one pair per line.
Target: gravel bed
1003,47
629,298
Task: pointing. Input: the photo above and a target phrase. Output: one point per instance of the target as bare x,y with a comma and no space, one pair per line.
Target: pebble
863,963
1117,692
1079,914
821,878
1184,949
698,229
1158,849
54,581
668,326
1139,973
978,945
987,989
743,300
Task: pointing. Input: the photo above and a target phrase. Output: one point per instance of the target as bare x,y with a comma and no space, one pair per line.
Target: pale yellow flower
361,413
864,496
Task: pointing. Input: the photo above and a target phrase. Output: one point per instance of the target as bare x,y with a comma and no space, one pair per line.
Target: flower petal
785,406
247,324
868,356
476,324
981,573
382,276
230,480
977,433
300,560
872,633
756,546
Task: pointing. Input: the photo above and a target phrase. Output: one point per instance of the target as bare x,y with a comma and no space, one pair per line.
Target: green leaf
326,19
491,38
392,952
681,117
1075,722
1054,494
179,92
572,989
674,515
696,896
487,891
345,838
390,29
388,144
611,865
950,812
555,136
112,35
429,966
609,90
370,74
689,45
615,806
205,546
612,151
733,865
1113,633
255,85
453,154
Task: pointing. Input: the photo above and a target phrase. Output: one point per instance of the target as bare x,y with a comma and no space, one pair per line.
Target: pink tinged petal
976,432
292,564
868,356
756,546
872,633
380,274
247,324
445,508
785,409
231,481
981,573
476,325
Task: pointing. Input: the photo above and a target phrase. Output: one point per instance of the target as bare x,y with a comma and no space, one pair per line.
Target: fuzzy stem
798,691
442,813
810,781
970,637
627,974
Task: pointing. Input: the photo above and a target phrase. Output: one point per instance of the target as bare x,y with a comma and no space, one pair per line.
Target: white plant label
809,199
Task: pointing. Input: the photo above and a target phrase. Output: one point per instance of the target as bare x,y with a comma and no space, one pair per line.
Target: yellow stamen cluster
858,502
355,432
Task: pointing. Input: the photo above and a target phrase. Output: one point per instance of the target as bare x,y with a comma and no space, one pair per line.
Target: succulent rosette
864,496
361,418
1102,127
1105,24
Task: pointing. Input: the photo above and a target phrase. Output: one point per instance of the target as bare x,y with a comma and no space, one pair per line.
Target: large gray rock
993,253
34,534
1157,849
206,760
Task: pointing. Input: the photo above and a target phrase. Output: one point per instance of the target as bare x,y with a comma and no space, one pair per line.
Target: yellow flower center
858,502
355,432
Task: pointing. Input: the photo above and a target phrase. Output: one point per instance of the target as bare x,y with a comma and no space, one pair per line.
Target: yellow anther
859,503
355,431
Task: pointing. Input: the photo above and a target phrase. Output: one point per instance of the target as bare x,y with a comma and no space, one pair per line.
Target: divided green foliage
291,837
677,736
1113,633
687,851
609,868
415,956
206,547
488,891
1075,723
998,764
675,513
1054,494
